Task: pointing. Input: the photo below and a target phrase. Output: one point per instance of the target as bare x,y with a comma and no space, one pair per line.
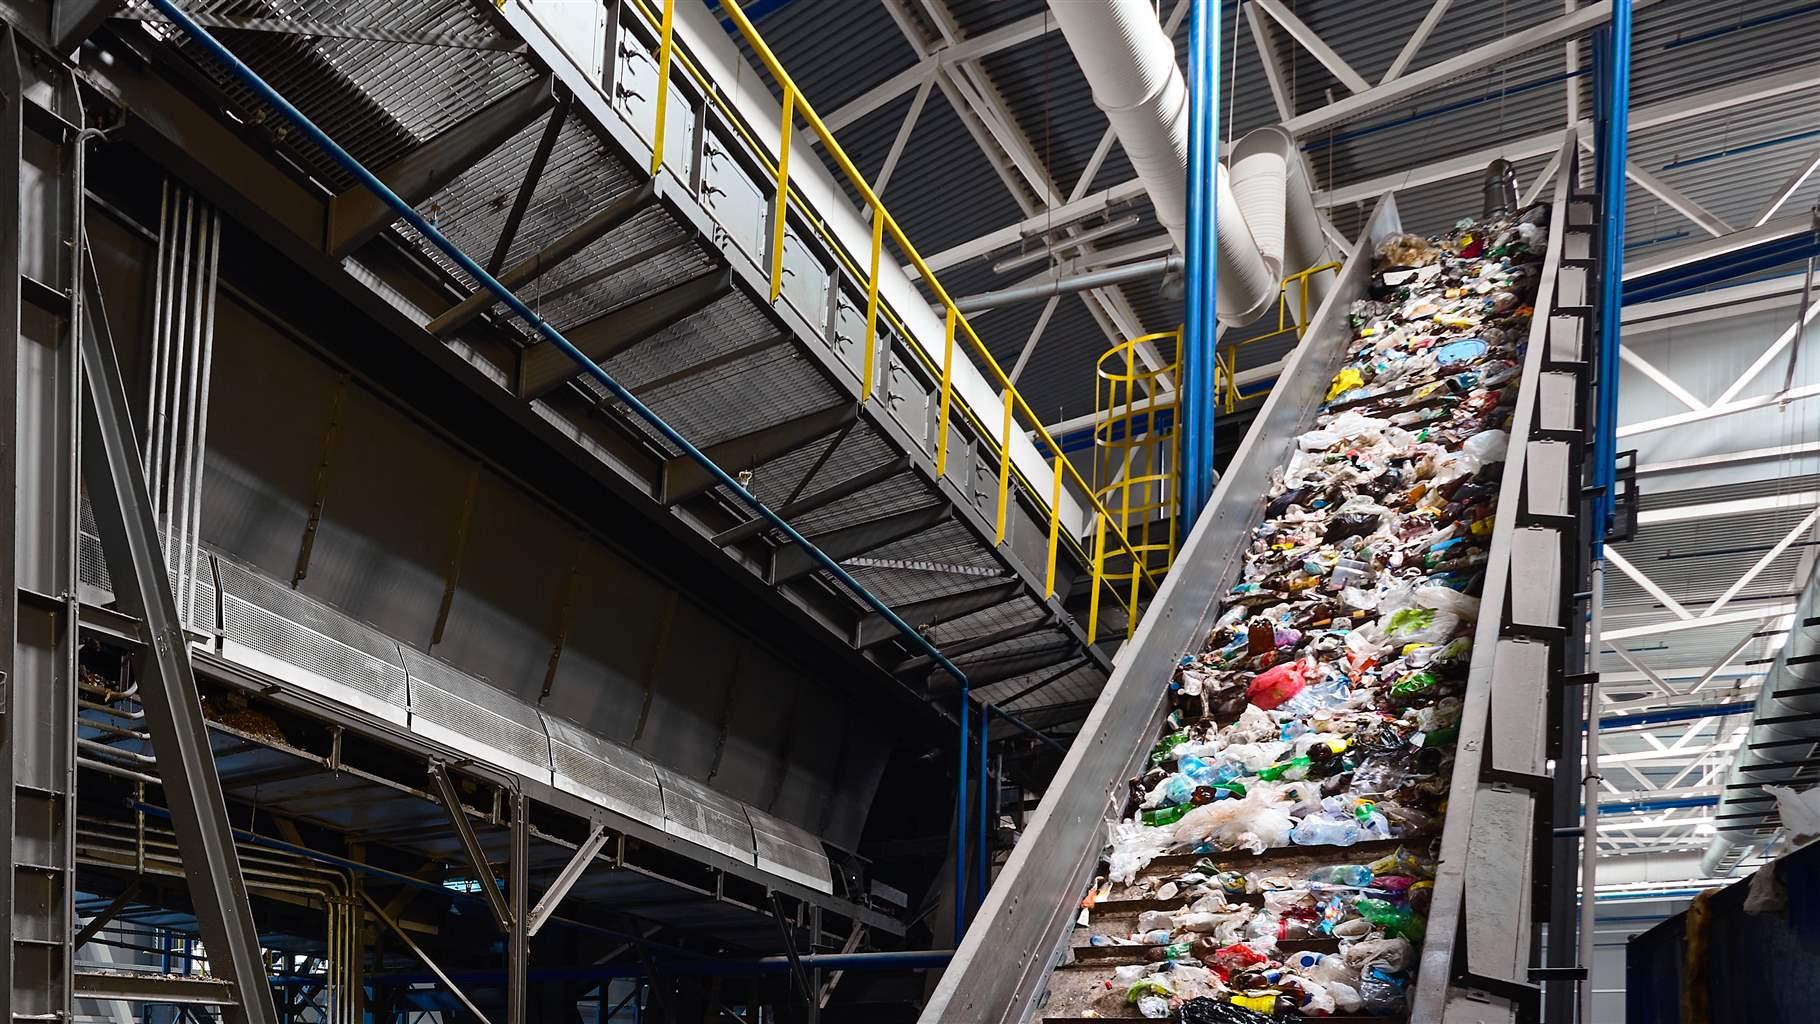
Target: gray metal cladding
784,849
282,633
454,708
700,815
604,772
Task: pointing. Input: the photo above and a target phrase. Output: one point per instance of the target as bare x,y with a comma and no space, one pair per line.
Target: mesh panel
785,849
460,704
701,815
277,637
608,774
91,564
379,98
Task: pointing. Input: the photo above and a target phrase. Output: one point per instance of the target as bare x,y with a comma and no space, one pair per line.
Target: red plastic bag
1273,687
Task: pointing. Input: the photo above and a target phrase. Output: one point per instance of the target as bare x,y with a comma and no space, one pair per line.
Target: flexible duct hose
1266,213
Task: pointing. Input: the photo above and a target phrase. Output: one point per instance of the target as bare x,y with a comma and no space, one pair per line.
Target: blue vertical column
982,847
961,900
1195,392
1612,61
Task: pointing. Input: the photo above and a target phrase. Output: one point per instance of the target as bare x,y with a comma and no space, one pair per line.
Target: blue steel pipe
1200,333
1612,153
1666,804
404,210
1677,715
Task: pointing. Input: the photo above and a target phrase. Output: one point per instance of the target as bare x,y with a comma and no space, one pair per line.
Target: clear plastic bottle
1320,831
1355,875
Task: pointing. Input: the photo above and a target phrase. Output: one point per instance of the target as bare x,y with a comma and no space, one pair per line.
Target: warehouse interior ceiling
974,122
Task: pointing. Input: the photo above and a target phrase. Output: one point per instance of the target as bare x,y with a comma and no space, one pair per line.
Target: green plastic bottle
1160,752
1165,815
1283,769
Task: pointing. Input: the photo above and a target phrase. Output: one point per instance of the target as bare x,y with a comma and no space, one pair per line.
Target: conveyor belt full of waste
1255,822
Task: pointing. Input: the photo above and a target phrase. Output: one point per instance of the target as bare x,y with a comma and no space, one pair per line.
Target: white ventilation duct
1267,216
1784,734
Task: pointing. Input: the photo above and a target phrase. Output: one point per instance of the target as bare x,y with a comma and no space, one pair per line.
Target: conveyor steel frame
1000,972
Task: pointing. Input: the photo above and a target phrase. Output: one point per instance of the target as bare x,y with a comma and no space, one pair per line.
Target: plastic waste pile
1324,708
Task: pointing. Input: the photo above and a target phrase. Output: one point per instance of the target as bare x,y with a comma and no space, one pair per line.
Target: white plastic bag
1446,599
1132,847
1800,810
1487,446
1765,895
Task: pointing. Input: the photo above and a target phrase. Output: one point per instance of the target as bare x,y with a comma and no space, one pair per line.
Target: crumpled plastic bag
1421,626
1765,895
1256,822
1133,846
1254,726
1344,381
1800,811
1488,446
1277,684
1446,599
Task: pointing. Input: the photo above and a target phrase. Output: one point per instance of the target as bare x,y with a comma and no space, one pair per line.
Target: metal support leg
167,682
799,978
40,192
518,939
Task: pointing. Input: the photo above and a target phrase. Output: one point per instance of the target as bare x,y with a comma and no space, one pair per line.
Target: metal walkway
525,134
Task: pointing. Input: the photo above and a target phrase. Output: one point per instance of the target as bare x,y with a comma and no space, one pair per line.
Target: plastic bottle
1165,815
1355,875
1293,770
1315,831
1205,773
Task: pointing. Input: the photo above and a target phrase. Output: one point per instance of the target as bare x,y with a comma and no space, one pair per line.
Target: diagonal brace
470,844
571,873
417,951
115,476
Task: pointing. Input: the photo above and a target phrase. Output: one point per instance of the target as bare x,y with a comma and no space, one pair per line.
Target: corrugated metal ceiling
945,192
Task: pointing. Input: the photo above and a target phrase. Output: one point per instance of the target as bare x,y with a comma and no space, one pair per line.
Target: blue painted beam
1666,715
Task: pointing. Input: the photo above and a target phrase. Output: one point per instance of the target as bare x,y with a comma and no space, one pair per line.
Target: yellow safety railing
787,200
1136,465
1226,362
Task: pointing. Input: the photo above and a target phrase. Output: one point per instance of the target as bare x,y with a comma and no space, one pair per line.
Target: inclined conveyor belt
1028,956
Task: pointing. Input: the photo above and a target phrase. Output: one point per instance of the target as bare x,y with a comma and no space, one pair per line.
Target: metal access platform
773,327
1491,891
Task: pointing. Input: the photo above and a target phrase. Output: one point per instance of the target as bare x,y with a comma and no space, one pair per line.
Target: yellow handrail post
1004,471
941,424
1099,569
878,244
783,191
794,104
666,30
1131,619
1055,526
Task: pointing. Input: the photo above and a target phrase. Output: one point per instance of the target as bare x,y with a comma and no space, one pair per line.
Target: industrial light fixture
1024,259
